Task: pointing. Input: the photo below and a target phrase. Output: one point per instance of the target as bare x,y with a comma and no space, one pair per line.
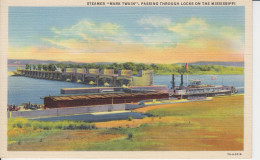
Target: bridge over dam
93,76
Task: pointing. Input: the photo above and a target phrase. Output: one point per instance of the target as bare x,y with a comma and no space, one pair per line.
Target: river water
24,89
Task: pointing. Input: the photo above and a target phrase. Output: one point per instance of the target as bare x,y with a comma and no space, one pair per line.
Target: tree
154,67
140,66
61,66
120,66
51,67
34,66
130,66
39,67
27,66
45,67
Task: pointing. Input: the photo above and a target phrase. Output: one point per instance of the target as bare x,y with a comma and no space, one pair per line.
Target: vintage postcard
162,79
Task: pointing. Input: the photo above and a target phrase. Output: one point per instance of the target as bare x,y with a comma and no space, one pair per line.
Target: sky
127,34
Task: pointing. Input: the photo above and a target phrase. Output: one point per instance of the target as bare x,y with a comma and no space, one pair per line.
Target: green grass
143,138
48,125
210,120
31,137
202,109
21,129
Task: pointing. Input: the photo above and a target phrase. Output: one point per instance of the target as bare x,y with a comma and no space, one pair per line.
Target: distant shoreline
159,69
167,74
15,65
12,73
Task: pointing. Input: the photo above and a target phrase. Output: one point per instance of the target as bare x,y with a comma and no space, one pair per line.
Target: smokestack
181,85
173,81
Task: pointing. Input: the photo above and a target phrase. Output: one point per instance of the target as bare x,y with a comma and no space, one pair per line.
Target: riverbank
158,69
193,126
13,73
203,73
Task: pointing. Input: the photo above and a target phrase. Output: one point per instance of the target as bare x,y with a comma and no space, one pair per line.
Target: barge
100,99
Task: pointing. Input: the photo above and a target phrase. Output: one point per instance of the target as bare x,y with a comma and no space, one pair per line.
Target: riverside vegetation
215,125
159,69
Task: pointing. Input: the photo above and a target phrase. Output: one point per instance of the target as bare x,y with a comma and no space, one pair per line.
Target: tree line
161,69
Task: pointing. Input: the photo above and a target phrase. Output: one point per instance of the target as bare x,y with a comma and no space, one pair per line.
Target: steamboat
196,89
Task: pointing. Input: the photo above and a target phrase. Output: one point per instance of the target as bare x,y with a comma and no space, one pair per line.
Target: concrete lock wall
132,106
27,114
72,110
79,90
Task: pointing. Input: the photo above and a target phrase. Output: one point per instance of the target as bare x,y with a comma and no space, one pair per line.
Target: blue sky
146,27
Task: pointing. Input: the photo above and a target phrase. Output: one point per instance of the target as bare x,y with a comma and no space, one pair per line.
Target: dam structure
103,77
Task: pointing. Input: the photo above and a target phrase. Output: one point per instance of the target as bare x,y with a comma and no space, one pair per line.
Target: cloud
91,29
87,36
92,37
170,33
163,32
158,39
154,21
90,46
192,28
156,33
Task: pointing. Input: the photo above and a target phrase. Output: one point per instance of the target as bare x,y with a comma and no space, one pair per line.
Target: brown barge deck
100,99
